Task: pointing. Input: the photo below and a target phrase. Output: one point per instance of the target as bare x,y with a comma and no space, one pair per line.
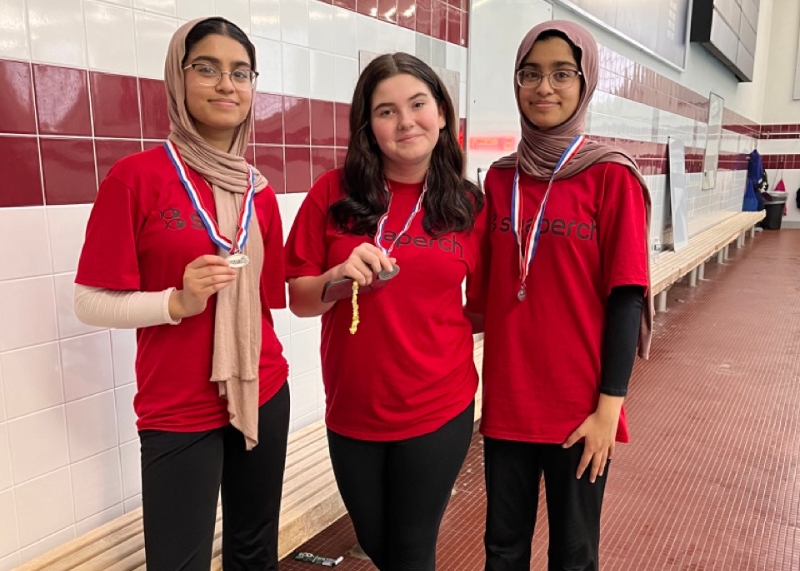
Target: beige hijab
539,151
237,326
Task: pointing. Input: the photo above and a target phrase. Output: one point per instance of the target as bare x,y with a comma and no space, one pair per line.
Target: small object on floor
317,559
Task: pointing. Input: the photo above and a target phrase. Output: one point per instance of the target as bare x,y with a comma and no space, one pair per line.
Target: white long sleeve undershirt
122,309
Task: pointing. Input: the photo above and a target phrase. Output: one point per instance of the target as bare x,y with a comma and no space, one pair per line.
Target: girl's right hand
202,278
364,262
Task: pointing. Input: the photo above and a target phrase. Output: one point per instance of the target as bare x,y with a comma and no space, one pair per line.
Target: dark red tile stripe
781,161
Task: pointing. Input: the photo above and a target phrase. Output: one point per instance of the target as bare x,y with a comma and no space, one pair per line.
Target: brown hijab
237,325
538,151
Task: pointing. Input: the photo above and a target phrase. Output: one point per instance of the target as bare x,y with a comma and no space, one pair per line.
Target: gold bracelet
354,302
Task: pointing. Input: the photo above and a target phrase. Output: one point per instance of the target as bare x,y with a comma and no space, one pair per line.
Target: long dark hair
451,201
221,27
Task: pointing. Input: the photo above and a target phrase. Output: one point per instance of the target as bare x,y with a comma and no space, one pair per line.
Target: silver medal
238,260
521,294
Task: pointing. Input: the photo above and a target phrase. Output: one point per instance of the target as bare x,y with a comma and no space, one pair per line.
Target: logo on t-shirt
173,220
446,243
556,227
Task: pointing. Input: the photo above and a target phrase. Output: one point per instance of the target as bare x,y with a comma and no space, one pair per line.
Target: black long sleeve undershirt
620,337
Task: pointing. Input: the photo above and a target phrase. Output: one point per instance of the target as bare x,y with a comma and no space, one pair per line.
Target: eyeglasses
559,79
210,75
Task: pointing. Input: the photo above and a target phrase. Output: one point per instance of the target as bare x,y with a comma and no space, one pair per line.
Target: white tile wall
6,479
296,71
265,18
320,27
67,227
191,9
14,42
92,426
126,418
166,7
269,55
110,38
237,11
29,313
294,22
32,379
153,33
68,324
2,396
34,258
38,444
57,32
9,537
123,353
131,470
96,484
87,365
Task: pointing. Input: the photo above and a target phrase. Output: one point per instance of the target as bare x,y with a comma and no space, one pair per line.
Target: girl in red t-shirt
565,285
184,243
400,385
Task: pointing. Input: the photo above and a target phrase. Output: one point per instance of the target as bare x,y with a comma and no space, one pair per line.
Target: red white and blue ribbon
385,217
532,241
246,213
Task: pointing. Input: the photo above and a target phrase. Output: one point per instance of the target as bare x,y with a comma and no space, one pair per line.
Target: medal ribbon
385,217
532,241
214,233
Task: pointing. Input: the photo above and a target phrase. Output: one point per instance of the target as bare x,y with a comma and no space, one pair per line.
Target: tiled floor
710,481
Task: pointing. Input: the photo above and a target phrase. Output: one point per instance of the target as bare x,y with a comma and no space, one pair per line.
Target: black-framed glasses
243,78
559,79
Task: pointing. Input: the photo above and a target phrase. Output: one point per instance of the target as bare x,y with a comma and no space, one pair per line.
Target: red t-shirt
142,232
409,368
541,367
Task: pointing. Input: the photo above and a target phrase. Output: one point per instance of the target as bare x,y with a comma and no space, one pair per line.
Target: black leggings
181,478
513,472
396,492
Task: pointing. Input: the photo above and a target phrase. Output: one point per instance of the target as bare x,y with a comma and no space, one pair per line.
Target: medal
387,275
236,259
532,241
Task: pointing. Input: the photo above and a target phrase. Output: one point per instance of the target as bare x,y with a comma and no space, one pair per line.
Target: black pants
513,472
396,492
181,478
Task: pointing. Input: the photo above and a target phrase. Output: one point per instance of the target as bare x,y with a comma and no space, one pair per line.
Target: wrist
609,406
176,307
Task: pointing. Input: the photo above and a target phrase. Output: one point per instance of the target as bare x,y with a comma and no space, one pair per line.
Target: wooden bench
311,502
668,267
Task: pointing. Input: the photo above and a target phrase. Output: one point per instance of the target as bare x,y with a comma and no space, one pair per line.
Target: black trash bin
774,204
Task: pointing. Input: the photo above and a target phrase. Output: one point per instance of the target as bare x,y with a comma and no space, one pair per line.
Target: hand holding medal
202,278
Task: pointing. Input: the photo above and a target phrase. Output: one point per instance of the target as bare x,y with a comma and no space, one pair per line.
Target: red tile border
268,118
19,163
17,111
109,151
62,100
296,120
115,106
69,171
298,169
269,160
153,101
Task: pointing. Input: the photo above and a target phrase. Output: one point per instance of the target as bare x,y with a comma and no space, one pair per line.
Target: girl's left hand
598,432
